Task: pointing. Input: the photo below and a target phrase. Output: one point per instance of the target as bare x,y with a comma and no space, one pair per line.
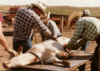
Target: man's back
25,19
89,25
53,28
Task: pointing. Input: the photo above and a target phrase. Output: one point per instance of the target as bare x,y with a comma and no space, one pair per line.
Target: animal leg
55,60
65,63
62,55
21,60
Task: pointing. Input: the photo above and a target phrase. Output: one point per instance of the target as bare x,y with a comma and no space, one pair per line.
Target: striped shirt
88,27
25,19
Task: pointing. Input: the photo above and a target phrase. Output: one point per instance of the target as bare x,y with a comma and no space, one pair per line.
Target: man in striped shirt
25,19
89,29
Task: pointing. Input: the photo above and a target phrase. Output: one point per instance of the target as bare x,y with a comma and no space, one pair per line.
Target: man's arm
2,38
39,24
79,27
4,43
80,42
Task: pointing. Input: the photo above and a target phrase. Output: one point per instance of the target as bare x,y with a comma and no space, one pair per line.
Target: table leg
99,59
82,67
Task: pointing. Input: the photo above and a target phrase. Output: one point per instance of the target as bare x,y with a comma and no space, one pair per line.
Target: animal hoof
66,63
62,55
5,66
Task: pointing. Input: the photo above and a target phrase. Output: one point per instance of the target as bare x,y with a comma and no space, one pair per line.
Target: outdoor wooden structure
13,9
61,29
61,19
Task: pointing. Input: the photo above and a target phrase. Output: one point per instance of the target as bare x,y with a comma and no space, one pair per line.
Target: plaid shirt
88,27
24,21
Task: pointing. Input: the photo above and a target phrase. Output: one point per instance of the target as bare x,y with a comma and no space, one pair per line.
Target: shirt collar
30,8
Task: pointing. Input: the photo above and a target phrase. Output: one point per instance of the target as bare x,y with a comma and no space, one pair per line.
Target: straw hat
45,18
72,16
41,6
77,14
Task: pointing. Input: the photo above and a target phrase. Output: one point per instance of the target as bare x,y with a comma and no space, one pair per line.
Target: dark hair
83,13
36,8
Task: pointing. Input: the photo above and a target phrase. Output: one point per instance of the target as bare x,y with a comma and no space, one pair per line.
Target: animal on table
49,51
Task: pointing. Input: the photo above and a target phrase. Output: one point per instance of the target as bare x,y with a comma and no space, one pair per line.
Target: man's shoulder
88,18
22,8
25,8
51,21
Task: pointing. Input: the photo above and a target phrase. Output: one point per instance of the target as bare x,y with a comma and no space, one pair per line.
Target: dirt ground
66,33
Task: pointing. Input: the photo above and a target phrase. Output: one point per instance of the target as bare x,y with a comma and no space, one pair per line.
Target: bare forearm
3,41
2,38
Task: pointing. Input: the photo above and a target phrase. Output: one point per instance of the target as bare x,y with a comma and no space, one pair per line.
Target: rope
37,57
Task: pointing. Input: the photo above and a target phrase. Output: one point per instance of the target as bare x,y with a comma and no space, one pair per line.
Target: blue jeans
26,44
59,35
84,47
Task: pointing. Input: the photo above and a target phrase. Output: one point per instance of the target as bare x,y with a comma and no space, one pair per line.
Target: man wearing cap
51,25
85,13
73,19
26,18
89,29
3,40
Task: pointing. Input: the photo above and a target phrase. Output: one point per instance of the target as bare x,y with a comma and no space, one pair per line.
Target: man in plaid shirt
89,28
25,19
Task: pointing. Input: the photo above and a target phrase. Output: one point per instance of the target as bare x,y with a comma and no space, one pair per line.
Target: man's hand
11,51
65,48
65,45
54,38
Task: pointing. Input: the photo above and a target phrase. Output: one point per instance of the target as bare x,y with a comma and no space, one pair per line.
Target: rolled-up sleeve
80,42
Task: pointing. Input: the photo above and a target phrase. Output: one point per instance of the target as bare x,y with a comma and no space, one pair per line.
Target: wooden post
99,59
61,29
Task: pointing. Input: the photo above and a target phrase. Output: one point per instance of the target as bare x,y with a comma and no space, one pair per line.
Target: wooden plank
61,28
75,61
58,16
8,31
